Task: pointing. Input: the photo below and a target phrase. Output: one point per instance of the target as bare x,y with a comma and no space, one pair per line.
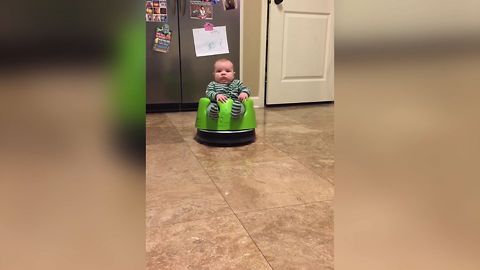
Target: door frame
259,100
263,54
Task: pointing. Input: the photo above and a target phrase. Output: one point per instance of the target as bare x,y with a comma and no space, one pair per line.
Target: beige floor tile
298,237
182,198
177,188
211,157
165,179
157,120
156,135
217,243
325,168
319,116
188,133
299,151
182,119
268,116
304,113
171,158
270,184
295,132
299,143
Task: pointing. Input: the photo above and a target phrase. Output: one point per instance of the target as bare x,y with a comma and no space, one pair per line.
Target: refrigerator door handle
174,6
184,7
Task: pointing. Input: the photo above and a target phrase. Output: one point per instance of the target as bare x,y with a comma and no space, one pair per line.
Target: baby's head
223,71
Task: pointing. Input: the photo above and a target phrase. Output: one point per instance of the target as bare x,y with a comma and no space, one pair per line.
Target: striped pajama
231,90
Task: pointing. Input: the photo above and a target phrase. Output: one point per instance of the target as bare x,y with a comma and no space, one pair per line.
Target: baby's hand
221,98
243,96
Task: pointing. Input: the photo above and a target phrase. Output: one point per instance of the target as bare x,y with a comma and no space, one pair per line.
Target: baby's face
223,71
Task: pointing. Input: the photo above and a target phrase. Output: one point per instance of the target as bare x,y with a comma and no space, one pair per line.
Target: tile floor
267,205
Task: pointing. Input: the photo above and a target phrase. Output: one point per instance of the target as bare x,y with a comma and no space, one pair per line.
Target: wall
251,44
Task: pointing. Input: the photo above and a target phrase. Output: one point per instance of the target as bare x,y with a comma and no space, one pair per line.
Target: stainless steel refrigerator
176,80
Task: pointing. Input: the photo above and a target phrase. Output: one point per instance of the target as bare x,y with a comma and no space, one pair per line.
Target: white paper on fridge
210,42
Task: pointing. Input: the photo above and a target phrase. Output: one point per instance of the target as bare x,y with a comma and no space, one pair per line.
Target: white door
300,52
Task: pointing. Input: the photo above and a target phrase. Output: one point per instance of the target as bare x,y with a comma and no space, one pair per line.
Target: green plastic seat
225,120
226,130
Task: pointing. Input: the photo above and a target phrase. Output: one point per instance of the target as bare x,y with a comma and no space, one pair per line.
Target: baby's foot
213,111
237,109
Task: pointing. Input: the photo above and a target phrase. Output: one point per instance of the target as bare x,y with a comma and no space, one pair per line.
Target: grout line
331,182
178,131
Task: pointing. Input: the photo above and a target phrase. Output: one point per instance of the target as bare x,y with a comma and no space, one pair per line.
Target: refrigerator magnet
163,11
163,36
156,18
201,10
158,10
148,11
208,26
230,4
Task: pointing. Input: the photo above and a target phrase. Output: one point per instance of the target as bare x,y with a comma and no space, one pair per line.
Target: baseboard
257,103
171,107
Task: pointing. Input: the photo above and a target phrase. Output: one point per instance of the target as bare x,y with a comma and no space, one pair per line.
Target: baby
225,87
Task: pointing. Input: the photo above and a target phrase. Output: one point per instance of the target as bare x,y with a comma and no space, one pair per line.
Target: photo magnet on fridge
201,10
230,4
156,11
156,18
160,11
148,11
163,11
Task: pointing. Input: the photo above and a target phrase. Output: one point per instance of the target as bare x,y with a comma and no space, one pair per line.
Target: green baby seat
225,130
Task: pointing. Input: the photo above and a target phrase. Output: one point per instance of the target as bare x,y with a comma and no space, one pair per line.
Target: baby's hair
222,60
